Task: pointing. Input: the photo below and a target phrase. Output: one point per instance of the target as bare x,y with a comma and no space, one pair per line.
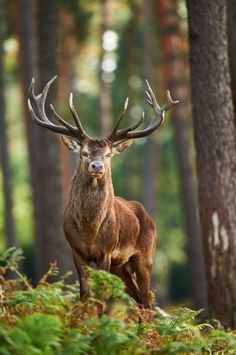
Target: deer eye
84,154
108,155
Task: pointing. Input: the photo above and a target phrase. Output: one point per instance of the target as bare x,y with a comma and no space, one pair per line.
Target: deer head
95,154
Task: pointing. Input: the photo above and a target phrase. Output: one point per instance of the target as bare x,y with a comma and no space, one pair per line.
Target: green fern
113,336
34,334
50,319
105,286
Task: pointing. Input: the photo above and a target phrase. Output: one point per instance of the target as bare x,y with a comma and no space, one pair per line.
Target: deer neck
91,199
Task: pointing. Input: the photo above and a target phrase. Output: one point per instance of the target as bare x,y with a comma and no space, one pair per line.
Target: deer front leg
80,264
105,263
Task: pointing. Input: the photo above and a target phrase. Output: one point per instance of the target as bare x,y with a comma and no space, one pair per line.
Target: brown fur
118,235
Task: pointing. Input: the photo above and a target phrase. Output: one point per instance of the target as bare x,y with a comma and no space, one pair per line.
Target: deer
119,236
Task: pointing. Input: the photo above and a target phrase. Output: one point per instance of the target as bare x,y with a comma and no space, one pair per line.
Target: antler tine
114,131
61,120
159,113
151,99
46,88
42,123
81,131
36,106
169,102
156,121
41,99
123,131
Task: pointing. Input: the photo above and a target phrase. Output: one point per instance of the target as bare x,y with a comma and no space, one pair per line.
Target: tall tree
174,66
131,70
231,6
50,244
47,212
104,89
4,153
24,14
66,70
215,142
74,27
150,156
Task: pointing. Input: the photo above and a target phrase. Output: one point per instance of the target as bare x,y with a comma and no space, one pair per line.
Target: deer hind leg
143,274
130,283
80,264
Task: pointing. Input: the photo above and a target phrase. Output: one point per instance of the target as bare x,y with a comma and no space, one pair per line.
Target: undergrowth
50,319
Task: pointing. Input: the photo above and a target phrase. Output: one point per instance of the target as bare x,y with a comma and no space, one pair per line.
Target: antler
159,112
36,106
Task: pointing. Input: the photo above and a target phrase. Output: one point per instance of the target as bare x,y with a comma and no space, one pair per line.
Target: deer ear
121,146
71,143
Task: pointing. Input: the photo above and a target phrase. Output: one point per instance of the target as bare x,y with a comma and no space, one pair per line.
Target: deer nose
96,167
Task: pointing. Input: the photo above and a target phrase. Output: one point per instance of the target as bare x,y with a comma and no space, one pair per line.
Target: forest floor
49,318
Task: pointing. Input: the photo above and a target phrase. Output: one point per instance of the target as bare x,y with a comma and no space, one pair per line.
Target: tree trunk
66,70
215,142
25,31
105,118
151,147
4,153
232,48
50,243
132,70
175,74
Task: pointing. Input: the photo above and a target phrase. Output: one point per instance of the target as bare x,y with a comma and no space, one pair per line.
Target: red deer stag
118,235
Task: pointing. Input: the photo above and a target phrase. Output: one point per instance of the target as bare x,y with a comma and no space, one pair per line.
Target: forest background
102,51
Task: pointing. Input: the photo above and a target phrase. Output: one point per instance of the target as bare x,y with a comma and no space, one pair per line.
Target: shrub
50,319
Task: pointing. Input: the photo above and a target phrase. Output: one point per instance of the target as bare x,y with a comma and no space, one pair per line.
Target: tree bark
25,31
175,73
4,152
66,70
131,69
231,6
151,146
50,243
215,142
105,104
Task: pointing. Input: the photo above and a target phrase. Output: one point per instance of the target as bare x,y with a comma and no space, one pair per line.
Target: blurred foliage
81,9
50,319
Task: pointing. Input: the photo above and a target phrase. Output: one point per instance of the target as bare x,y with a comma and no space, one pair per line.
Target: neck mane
91,199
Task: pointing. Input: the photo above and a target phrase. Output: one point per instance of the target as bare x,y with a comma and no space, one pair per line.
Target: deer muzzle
96,169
